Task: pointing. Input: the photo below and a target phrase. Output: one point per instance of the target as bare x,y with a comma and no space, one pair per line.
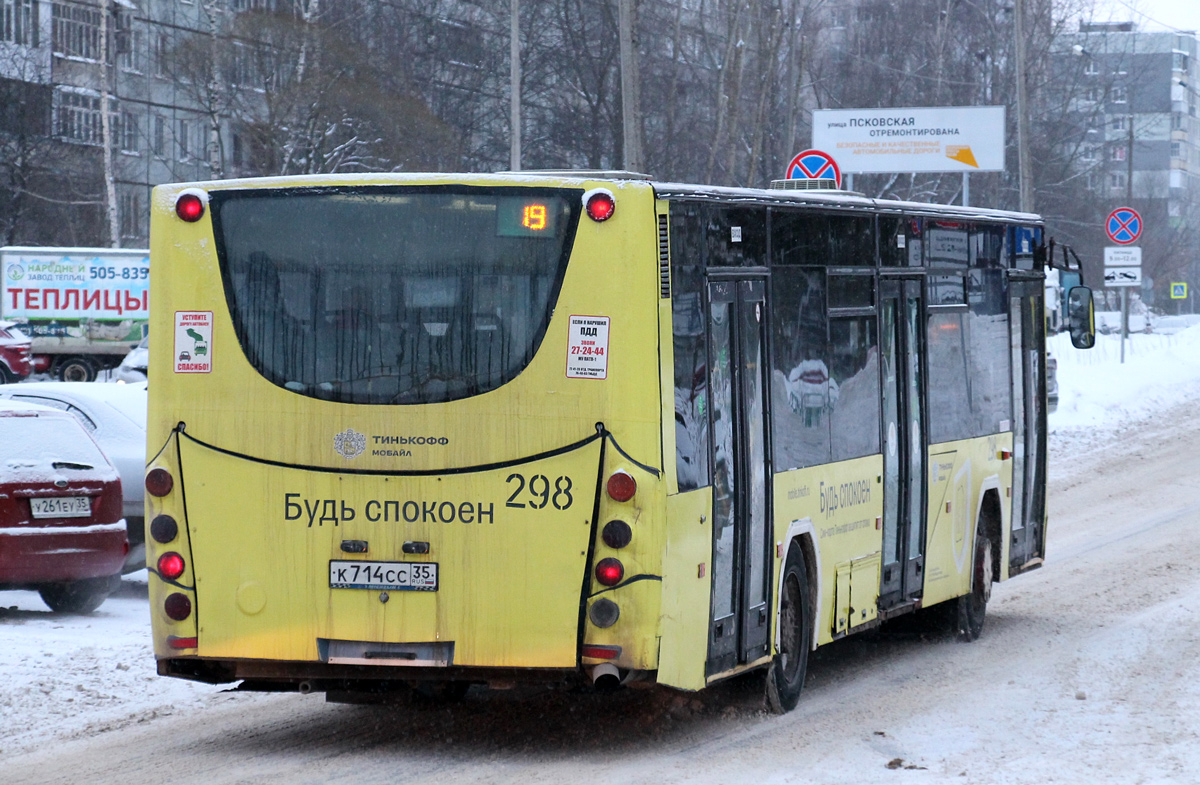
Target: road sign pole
1124,320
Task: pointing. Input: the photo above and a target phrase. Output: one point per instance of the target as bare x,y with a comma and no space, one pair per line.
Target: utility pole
630,99
514,92
1025,164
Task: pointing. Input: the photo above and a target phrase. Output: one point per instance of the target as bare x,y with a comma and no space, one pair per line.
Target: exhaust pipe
606,677
305,687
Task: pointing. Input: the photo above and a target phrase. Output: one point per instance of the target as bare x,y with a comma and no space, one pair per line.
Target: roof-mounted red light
159,482
621,486
610,571
170,565
189,207
600,206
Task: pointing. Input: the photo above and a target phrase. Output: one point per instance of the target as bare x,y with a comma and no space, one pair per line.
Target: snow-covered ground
63,676
1082,705
1101,399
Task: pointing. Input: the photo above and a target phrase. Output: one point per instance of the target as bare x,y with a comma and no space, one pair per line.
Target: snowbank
1099,397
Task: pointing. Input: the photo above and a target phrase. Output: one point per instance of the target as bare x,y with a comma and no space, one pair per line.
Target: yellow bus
433,430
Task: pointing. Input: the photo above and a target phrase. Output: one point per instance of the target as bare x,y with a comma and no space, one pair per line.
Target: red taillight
177,606
189,207
621,486
175,642
170,565
600,206
159,482
610,571
602,652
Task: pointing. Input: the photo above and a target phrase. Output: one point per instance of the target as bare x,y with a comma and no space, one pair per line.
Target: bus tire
785,676
83,596
971,608
77,369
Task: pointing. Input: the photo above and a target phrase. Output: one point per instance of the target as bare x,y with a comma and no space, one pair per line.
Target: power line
1145,15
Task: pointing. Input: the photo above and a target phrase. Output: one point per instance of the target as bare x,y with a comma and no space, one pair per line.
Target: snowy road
1088,672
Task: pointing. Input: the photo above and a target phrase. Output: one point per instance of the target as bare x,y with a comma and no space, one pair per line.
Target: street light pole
1024,163
514,53
630,100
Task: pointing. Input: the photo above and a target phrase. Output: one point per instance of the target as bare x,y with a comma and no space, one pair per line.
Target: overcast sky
1154,14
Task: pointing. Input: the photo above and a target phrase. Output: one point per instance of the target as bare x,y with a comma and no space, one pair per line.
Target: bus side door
902,350
1027,326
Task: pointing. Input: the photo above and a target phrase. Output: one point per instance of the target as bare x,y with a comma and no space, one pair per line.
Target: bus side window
802,391
691,366
854,367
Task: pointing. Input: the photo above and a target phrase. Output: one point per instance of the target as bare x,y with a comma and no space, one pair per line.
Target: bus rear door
740,569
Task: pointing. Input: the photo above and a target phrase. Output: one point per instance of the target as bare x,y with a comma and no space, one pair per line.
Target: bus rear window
393,295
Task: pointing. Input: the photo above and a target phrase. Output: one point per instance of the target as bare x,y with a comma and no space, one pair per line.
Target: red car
14,353
61,530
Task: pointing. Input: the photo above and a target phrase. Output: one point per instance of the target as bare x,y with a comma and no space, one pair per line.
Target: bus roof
838,200
829,199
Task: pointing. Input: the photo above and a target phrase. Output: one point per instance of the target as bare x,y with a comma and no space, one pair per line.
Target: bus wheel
82,596
785,677
77,369
972,608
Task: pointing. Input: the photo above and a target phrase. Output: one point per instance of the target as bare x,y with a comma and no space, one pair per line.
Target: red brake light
170,565
621,486
610,571
602,652
159,482
178,606
189,207
600,206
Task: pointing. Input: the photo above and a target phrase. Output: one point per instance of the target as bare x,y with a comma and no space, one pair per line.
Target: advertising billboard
923,139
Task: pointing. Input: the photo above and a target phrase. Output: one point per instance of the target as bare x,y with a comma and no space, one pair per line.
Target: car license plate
383,575
62,507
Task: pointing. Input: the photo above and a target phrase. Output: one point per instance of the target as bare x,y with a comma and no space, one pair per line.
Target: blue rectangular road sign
1178,291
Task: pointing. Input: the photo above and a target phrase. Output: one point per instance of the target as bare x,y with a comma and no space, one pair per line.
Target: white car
115,416
133,368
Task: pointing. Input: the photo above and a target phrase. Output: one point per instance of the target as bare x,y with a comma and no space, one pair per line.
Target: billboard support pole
848,180
966,189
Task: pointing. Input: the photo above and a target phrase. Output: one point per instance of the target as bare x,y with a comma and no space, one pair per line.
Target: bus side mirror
1081,317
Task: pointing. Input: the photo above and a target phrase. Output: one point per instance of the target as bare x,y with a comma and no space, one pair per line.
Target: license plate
62,507
383,575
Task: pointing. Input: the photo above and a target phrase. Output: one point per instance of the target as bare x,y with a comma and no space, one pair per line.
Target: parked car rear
14,353
61,529
115,416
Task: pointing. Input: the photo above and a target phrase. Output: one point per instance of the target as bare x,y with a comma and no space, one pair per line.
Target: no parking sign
1124,225
814,165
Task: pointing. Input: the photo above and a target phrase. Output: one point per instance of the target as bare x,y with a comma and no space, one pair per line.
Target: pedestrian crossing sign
1178,291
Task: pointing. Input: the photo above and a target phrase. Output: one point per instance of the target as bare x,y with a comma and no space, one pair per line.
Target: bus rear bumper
293,676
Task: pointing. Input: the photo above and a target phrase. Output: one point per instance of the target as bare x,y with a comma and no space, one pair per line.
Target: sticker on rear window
193,341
